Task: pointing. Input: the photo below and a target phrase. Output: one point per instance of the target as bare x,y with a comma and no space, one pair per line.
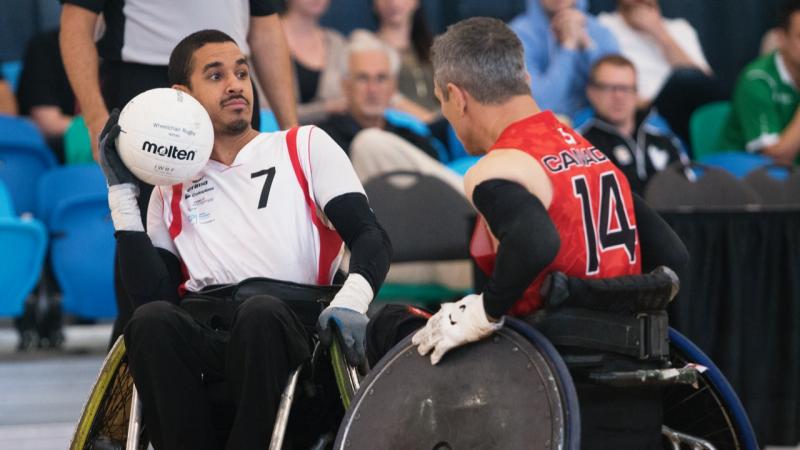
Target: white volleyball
165,136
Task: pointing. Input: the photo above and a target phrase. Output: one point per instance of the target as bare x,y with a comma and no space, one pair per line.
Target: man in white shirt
672,70
273,205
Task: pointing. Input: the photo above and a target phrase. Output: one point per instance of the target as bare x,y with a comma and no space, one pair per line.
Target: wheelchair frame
114,419
708,399
126,411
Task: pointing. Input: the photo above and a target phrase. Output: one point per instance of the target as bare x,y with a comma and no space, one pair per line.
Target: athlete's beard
238,126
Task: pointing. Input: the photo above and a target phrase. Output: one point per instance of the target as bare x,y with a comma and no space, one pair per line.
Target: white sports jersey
253,219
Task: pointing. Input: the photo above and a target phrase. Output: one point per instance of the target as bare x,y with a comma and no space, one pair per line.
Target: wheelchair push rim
712,411
424,416
110,397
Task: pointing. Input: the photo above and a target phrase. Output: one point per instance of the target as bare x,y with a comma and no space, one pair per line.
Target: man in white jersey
275,205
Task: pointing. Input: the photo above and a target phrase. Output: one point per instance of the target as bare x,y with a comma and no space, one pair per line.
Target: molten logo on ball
165,137
171,152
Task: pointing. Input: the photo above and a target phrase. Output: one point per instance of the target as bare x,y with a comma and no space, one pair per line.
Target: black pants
120,82
611,418
174,359
686,90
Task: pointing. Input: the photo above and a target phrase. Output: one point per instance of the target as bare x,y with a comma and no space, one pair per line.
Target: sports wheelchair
112,416
514,390
517,389
316,394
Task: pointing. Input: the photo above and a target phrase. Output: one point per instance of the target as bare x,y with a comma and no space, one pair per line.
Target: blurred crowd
630,79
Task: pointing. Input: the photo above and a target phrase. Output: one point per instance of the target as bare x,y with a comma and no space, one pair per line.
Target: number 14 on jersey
606,226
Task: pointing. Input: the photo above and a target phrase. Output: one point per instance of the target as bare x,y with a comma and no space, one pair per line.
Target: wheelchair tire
444,407
104,421
712,411
566,387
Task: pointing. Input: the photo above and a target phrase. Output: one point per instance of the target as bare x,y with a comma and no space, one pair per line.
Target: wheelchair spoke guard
502,392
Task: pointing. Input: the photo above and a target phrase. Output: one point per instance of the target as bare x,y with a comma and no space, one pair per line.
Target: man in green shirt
764,116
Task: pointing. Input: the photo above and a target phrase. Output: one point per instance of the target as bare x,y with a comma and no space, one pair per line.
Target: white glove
455,324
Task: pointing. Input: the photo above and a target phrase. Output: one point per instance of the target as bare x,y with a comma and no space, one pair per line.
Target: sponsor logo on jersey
170,152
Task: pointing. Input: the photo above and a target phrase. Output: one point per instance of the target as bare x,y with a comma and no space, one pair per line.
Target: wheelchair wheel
507,391
711,411
566,387
104,420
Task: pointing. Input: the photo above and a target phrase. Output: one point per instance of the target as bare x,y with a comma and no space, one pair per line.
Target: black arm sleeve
528,239
368,242
148,273
659,245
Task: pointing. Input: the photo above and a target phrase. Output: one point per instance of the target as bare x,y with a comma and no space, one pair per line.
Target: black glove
353,327
113,167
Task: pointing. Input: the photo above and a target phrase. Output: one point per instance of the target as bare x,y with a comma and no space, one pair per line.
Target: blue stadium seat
454,145
268,121
24,156
22,246
739,163
6,204
82,254
22,249
11,71
63,182
405,120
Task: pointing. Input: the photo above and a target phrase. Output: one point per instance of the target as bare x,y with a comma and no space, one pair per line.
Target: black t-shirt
308,80
343,129
43,81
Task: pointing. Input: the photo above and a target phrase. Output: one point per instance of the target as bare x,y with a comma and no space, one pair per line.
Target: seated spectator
621,131
376,147
673,72
8,104
44,92
764,116
316,53
402,25
561,42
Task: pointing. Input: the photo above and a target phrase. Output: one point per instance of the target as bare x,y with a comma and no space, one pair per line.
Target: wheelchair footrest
650,377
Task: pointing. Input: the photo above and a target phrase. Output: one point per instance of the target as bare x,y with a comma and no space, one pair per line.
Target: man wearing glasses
627,135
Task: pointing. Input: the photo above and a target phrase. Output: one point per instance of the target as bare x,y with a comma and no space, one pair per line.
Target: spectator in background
621,131
764,116
44,92
376,147
316,54
135,49
561,42
672,71
402,25
369,80
8,104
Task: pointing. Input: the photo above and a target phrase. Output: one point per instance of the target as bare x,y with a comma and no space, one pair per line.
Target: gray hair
362,41
482,56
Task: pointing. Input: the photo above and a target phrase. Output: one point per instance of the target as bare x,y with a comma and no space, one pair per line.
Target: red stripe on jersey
329,241
175,205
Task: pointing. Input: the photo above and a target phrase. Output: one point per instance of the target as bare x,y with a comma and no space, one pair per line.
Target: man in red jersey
547,201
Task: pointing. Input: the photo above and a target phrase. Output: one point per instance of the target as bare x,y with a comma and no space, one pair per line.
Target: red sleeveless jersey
592,207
